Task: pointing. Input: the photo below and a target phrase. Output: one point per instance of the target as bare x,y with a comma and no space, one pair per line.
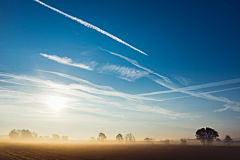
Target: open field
73,150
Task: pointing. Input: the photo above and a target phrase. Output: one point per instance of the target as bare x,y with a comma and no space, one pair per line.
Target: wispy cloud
129,74
135,63
90,26
235,106
238,117
89,87
68,61
1,65
182,80
78,80
85,96
172,115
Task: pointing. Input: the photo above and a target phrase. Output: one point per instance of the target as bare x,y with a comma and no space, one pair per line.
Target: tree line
28,135
205,135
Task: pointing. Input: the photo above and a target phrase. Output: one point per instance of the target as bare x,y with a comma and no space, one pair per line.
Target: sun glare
56,103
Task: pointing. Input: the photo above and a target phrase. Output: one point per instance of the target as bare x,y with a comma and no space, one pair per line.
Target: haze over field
159,69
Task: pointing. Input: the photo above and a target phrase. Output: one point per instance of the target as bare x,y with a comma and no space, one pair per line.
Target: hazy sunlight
56,103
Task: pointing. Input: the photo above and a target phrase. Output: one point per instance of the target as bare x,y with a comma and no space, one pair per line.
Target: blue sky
149,68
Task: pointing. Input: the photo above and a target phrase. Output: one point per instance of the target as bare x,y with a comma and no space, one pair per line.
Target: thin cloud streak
182,80
78,80
47,84
129,74
96,89
68,61
135,63
79,94
90,26
235,106
223,90
71,89
201,86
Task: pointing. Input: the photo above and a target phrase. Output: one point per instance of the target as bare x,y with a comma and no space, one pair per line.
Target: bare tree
228,140
101,137
206,136
55,137
129,137
119,137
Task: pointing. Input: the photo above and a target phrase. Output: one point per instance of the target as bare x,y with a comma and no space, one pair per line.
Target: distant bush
183,141
166,141
147,139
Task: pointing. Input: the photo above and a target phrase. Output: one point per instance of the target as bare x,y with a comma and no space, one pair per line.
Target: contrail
214,84
235,106
223,90
90,26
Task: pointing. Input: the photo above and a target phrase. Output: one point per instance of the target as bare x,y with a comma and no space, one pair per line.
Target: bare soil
114,151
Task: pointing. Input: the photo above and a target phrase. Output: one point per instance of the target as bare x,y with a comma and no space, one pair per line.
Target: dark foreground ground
10,150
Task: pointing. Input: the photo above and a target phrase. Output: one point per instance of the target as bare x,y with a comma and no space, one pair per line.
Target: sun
56,103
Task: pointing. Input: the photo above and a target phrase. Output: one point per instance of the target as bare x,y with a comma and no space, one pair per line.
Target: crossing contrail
90,26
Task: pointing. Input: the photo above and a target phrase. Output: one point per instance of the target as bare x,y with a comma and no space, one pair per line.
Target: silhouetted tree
119,137
92,139
14,134
129,138
183,141
64,138
218,140
228,140
206,136
101,137
55,137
